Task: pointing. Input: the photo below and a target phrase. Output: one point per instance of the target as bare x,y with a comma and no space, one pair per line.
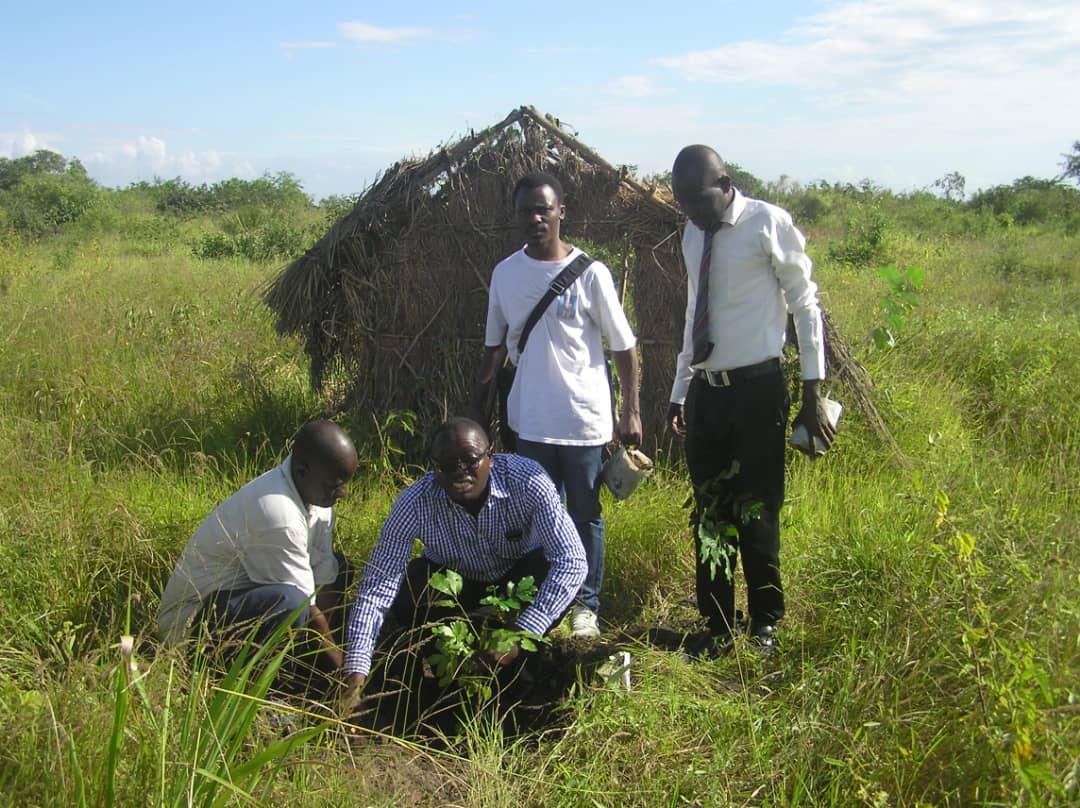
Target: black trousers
735,445
414,604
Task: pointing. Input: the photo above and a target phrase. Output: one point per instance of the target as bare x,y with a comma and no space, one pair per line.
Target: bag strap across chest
560,284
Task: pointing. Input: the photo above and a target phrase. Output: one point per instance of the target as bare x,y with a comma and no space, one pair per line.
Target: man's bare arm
628,428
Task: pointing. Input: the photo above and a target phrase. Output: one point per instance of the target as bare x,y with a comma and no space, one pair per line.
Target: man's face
323,484
539,214
462,463
704,193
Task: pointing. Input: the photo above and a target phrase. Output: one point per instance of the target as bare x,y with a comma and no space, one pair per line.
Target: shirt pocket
508,544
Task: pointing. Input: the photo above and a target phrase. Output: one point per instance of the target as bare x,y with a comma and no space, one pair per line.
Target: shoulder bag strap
562,282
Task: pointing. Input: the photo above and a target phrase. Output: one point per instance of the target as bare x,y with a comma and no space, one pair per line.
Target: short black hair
539,180
455,424
691,159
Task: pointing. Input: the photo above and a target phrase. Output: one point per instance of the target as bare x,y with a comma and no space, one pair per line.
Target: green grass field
931,655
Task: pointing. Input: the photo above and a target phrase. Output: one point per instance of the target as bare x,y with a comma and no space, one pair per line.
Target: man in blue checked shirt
492,518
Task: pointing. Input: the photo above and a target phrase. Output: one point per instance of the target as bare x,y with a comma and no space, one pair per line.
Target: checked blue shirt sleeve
556,533
380,582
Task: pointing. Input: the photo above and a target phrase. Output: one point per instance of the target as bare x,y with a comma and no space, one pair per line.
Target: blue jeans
271,604
576,473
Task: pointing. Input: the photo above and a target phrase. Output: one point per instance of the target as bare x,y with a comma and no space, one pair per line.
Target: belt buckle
712,377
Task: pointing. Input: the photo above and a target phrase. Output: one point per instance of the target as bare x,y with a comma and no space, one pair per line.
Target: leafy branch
904,286
459,646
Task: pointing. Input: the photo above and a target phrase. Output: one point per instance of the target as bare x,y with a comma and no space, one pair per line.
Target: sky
900,92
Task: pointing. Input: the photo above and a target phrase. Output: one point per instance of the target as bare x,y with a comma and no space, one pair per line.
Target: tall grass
930,654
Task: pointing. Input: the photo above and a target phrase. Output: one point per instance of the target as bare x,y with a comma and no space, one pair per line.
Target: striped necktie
700,333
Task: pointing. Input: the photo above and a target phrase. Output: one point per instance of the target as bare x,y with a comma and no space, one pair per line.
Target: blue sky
900,92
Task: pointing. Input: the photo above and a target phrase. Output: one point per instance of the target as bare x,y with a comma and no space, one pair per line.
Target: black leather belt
726,378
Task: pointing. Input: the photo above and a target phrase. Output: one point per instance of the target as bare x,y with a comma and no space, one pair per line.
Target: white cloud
901,50
20,144
898,90
148,156
632,87
368,33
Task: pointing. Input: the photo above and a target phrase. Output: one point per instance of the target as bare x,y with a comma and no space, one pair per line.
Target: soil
403,698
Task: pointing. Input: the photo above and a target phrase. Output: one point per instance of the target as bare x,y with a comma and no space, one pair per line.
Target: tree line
42,192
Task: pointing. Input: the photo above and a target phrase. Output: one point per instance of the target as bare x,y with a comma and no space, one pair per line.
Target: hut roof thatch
391,302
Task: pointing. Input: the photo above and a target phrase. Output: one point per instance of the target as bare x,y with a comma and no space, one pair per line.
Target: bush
280,191
43,203
42,192
270,241
866,240
1030,201
177,196
337,207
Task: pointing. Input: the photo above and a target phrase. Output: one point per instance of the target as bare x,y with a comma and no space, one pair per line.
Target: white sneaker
583,623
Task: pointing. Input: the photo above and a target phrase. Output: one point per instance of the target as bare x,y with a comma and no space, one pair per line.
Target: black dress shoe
763,637
708,646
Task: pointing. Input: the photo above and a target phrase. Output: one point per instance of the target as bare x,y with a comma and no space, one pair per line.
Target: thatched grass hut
391,302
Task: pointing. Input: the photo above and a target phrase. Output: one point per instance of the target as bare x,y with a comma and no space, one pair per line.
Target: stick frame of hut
391,302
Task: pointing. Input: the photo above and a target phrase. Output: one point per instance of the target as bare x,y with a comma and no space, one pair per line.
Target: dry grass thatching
391,302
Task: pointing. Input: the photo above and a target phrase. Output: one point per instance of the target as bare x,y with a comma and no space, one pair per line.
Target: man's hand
628,430
503,658
331,657
350,696
676,418
335,659
813,417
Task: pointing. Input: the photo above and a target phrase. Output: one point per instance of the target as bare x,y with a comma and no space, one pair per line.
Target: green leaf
882,338
448,582
890,274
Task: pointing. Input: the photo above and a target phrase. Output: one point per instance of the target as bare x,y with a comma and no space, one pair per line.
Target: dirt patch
403,698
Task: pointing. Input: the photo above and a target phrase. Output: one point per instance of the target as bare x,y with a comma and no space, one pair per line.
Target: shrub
1030,201
44,191
280,191
177,196
270,241
337,207
866,239
43,203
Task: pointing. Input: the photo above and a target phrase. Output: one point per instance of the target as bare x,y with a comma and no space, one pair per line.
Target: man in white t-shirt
560,403
263,552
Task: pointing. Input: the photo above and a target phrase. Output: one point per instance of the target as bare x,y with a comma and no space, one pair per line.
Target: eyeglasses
469,464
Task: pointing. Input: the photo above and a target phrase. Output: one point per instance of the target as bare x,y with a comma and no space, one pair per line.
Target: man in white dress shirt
261,554
747,268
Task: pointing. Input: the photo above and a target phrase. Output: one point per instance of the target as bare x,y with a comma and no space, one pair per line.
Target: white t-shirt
262,534
561,393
